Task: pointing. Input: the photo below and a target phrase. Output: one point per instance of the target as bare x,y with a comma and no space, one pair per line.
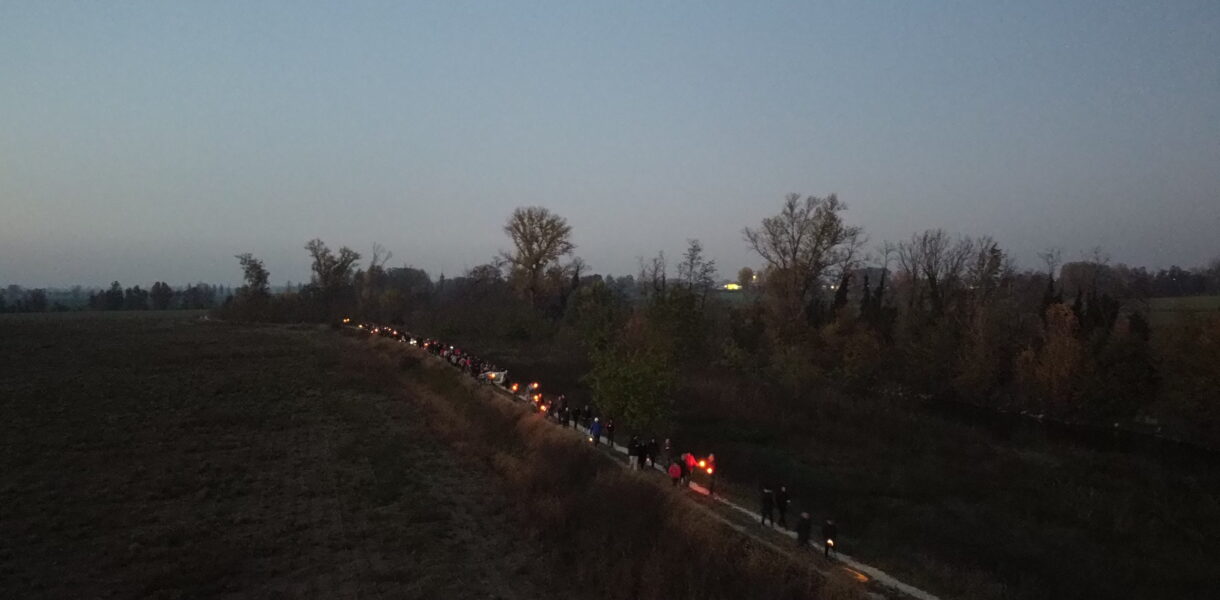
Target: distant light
732,287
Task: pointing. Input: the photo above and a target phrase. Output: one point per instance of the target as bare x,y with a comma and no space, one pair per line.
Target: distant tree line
160,296
937,316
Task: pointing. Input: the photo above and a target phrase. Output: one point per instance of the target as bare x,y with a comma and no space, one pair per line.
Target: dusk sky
153,141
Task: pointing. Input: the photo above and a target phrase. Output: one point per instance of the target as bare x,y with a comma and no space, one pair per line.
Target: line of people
776,502
640,454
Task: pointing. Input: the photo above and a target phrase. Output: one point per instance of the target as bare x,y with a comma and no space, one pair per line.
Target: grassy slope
624,535
151,455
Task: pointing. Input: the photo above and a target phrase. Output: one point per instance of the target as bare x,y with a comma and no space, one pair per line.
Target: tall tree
160,295
654,275
800,245
114,296
697,273
255,275
934,264
331,283
539,239
135,298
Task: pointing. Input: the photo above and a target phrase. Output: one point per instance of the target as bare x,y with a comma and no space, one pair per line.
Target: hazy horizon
152,141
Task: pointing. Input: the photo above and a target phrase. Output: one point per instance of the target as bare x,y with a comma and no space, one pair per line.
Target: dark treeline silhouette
161,296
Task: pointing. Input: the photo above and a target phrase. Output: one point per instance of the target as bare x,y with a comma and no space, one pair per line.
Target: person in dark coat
633,450
610,432
829,531
804,528
768,505
781,505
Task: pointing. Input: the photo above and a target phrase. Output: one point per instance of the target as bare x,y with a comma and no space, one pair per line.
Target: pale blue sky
145,141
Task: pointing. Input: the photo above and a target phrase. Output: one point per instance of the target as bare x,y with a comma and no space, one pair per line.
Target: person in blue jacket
595,431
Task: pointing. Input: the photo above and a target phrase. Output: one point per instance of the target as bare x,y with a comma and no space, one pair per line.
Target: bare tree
539,238
1052,258
331,271
653,274
380,257
800,245
989,269
697,272
934,263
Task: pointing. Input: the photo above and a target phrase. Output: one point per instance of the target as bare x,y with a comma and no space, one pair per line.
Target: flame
830,543
710,470
702,463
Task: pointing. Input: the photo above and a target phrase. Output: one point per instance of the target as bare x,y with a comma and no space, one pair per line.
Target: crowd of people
641,454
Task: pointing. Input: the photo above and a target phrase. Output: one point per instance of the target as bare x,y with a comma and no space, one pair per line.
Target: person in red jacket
675,473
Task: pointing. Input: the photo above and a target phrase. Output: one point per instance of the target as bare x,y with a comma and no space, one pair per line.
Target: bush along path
717,505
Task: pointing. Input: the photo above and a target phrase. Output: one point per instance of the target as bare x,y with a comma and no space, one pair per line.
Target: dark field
159,456
1164,312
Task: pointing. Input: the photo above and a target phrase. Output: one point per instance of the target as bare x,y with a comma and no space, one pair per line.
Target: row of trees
936,314
161,296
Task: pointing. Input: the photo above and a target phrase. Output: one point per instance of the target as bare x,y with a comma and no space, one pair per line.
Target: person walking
768,505
829,531
804,528
633,449
675,473
653,449
595,431
610,432
781,505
